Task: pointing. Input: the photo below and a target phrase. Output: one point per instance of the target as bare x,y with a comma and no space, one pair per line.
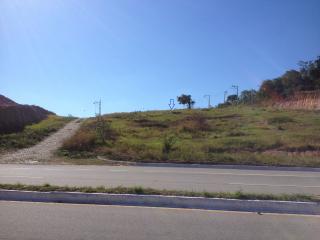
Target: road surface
192,179
33,221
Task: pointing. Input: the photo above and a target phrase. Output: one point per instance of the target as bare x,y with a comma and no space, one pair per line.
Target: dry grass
151,191
302,100
231,135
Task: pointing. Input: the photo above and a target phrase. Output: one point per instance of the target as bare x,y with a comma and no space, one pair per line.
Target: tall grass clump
80,141
168,145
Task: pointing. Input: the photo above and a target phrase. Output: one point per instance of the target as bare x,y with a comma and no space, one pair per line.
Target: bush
168,144
222,105
195,123
81,141
277,120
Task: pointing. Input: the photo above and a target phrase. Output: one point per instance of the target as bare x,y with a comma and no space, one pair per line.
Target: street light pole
225,95
209,99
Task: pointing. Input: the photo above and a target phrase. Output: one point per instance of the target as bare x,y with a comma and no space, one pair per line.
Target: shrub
81,141
282,119
168,144
104,131
195,123
150,123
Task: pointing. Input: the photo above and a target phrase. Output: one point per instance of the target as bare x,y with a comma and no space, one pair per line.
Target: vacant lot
231,135
32,134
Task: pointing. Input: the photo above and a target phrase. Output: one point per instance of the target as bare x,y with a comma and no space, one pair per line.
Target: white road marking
118,170
20,177
50,169
18,168
234,174
272,185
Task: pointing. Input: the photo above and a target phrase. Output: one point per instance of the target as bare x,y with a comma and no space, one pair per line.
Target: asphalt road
19,220
195,179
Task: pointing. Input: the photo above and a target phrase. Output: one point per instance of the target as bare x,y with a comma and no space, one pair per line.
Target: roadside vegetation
293,85
32,134
237,134
252,128
151,191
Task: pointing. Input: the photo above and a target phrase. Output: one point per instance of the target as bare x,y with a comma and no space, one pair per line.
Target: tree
292,82
232,98
248,96
186,100
269,90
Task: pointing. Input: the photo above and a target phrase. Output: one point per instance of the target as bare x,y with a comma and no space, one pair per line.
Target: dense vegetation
307,79
284,87
232,135
32,134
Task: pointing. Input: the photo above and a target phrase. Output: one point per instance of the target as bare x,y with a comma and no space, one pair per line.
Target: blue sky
137,54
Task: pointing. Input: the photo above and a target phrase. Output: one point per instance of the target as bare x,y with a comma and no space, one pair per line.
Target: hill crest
6,102
14,117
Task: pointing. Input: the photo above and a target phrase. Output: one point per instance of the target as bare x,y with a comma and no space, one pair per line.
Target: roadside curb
213,166
266,206
221,166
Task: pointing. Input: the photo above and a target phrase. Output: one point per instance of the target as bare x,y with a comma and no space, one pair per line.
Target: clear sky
137,54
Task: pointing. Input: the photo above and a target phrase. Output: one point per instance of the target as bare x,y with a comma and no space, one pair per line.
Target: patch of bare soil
44,150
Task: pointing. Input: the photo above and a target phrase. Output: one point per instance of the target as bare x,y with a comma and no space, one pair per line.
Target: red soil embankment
14,117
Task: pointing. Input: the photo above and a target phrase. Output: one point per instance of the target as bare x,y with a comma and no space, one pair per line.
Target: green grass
150,191
32,134
231,135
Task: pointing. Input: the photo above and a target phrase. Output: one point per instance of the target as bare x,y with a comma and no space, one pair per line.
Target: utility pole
99,107
237,88
209,98
100,122
225,96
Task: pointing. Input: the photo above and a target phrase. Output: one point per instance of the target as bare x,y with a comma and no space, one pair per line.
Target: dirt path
44,150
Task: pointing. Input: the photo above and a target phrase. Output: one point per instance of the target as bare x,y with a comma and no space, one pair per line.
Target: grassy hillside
32,134
231,135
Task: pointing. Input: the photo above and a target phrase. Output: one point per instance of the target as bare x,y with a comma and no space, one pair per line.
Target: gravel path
44,150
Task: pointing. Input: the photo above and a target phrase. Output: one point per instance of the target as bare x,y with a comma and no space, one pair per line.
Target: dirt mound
14,117
6,102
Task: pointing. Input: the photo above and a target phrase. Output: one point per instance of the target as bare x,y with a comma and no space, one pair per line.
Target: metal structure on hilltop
101,122
99,107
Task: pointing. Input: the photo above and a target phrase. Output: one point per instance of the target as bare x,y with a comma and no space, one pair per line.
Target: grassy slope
32,134
232,135
152,191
